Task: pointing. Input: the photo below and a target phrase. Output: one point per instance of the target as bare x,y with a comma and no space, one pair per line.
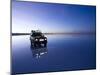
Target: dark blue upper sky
51,17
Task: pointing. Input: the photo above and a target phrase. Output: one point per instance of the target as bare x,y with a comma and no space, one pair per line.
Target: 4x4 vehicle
37,38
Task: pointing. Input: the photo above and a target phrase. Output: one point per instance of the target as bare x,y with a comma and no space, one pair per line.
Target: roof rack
35,31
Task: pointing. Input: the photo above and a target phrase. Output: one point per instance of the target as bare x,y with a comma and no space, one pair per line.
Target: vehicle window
37,34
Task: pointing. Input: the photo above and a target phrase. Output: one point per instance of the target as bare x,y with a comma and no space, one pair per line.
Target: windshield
37,34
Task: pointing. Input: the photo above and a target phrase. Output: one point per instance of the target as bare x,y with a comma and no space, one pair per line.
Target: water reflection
39,51
62,53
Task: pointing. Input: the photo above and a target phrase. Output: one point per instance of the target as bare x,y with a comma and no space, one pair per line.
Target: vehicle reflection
37,52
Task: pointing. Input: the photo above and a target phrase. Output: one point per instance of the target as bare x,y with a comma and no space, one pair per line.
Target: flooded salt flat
63,53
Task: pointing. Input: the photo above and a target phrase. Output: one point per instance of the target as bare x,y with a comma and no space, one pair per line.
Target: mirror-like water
63,52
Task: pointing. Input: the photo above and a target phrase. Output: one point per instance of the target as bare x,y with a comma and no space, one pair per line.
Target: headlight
36,39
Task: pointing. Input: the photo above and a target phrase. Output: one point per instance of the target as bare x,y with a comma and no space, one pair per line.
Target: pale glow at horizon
27,29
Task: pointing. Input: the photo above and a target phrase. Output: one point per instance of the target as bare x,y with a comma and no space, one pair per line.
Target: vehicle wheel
45,44
31,43
34,44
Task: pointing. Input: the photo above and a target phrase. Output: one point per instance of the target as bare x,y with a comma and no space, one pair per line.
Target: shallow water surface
63,53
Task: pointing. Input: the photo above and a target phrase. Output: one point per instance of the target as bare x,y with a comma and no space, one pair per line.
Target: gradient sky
50,17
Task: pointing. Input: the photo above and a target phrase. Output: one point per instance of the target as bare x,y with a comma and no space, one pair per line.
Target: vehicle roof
36,31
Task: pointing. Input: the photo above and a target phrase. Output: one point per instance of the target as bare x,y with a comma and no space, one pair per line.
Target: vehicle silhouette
37,38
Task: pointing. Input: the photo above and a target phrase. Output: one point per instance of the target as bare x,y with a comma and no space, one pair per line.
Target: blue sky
50,17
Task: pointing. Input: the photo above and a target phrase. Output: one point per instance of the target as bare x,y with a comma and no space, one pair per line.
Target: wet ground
63,53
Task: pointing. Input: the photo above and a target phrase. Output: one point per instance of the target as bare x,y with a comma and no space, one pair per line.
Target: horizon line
62,33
